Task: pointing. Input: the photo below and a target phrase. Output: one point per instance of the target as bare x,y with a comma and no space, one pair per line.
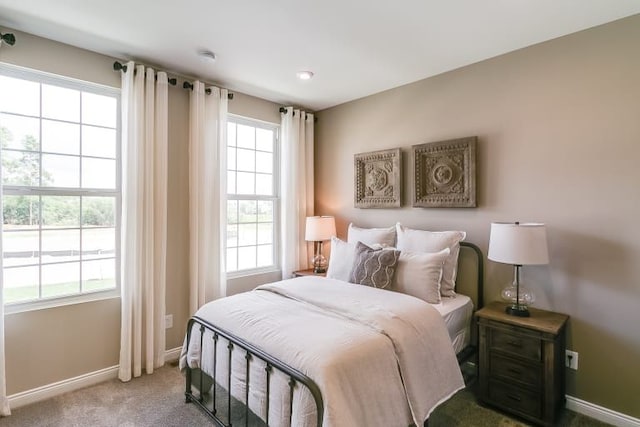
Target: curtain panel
296,188
4,401
144,220
207,194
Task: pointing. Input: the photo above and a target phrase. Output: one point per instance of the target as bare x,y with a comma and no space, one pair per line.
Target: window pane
60,279
60,137
99,110
99,142
22,133
264,184
60,171
20,247
248,211
60,211
60,246
264,140
231,182
246,160
246,258
232,211
246,137
265,211
60,103
232,259
19,96
98,173
247,235
264,162
98,243
21,284
98,275
265,233
246,183
231,158
231,134
20,168
21,212
265,256
232,236
98,211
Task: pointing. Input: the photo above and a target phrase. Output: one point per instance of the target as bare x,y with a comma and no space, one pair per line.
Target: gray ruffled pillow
374,267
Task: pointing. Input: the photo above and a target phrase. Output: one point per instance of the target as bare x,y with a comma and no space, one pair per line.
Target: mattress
457,313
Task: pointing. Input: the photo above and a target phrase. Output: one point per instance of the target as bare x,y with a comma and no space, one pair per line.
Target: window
61,188
252,196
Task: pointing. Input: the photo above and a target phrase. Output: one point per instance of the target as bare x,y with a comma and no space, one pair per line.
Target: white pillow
341,260
372,236
418,274
434,241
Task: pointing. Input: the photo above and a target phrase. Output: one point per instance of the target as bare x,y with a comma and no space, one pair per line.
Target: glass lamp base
519,298
517,310
319,263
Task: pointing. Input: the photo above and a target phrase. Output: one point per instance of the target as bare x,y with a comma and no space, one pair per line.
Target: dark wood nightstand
521,362
307,272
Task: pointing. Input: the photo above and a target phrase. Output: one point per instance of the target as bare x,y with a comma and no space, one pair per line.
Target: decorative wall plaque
378,179
445,174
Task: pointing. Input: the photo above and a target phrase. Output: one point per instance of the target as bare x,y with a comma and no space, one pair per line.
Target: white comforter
380,358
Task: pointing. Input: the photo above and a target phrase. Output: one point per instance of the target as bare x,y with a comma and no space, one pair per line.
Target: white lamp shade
319,228
518,244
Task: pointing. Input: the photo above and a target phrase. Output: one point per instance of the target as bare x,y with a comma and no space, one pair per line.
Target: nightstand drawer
514,370
519,345
516,398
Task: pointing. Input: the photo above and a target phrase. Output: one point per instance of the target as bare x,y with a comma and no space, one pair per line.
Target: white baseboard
600,413
55,389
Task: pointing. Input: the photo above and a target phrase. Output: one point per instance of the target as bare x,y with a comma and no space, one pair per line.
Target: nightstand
307,272
521,362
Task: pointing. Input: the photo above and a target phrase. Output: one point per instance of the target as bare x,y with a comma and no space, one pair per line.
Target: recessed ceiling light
207,55
304,75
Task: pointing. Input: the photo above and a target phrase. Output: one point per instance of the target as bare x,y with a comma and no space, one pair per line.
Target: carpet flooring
158,400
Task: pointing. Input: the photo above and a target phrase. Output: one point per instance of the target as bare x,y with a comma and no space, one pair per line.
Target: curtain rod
284,110
117,66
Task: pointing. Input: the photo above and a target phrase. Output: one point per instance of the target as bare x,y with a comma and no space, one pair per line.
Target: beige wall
559,142
46,346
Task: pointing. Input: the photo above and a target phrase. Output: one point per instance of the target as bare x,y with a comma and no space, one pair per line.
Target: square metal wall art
378,179
445,174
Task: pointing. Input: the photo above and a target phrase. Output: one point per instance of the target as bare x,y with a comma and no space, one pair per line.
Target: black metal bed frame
295,377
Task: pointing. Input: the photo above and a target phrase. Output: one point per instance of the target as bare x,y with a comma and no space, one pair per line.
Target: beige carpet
158,400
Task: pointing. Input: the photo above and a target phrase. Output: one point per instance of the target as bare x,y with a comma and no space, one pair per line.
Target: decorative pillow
434,241
341,259
372,236
418,274
373,267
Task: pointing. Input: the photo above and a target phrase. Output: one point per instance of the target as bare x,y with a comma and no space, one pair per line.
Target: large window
252,196
60,185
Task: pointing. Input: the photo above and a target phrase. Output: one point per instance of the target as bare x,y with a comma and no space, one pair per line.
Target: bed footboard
209,402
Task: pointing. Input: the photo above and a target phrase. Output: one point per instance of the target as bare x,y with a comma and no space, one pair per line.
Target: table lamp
319,229
518,244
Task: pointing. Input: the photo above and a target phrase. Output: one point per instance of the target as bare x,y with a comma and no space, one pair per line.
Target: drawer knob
514,397
516,344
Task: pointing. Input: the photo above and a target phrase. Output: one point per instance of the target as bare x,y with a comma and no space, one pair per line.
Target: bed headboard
470,278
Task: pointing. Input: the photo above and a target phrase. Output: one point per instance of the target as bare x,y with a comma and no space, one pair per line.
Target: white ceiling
354,47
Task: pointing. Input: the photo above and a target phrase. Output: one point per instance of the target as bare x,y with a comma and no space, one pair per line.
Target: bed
315,351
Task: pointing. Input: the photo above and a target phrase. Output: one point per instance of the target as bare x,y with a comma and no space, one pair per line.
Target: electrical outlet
571,359
168,321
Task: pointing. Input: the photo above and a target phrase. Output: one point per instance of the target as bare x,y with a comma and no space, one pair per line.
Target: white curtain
207,193
296,188
144,220
4,401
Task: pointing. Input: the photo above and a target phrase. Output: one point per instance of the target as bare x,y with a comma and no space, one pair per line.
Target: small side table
521,362
308,272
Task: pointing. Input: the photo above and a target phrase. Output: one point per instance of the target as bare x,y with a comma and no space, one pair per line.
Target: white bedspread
380,358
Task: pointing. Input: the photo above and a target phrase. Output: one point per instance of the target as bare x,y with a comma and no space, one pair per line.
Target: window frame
275,197
44,78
